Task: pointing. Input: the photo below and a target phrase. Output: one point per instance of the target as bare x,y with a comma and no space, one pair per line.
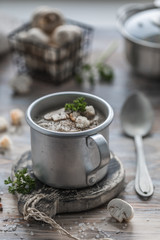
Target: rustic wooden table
96,223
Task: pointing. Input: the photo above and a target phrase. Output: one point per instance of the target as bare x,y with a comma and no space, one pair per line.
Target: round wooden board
63,201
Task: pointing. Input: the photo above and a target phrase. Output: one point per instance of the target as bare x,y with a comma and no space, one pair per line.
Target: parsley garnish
105,72
23,183
78,105
98,71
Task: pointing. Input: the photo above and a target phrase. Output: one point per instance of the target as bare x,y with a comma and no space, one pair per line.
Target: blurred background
99,13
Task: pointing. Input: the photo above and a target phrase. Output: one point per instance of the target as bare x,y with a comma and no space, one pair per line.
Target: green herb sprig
105,72
22,184
100,70
78,105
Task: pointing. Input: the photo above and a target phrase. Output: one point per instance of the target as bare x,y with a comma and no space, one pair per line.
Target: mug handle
104,153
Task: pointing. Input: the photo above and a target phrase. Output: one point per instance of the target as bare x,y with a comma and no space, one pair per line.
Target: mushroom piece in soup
71,118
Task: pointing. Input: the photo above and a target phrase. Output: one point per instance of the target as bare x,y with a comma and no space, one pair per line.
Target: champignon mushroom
47,19
37,35
82,122
16,116
120,210
65,34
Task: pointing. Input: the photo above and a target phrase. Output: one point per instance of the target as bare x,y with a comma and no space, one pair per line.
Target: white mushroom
22,35
3,124
47,19
5,142
59,115
82,122
21,84
37,35
16,116
120,210
89,112
48,116
66,33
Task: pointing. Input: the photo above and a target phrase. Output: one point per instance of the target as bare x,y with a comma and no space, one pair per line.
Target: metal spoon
137,120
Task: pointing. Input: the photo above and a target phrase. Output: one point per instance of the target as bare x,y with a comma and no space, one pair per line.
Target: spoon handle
143,182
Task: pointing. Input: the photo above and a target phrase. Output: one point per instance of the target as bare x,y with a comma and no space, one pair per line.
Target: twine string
30,211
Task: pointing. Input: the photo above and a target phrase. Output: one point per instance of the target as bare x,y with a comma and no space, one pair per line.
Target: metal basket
49,62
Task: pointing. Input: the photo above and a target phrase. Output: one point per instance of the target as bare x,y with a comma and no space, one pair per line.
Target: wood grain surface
75,200
96,223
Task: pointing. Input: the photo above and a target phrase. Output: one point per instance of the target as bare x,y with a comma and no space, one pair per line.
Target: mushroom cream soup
62,120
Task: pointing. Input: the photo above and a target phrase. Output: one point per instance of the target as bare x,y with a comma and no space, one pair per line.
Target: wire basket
56,64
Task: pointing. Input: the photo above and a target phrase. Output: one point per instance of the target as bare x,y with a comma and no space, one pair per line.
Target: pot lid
145,25
141,23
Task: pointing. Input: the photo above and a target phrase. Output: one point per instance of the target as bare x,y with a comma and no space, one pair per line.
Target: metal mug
69,159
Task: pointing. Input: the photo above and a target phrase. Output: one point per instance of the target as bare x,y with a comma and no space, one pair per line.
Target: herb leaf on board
22,184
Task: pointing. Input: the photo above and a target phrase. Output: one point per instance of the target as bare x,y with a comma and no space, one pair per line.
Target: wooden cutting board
63,201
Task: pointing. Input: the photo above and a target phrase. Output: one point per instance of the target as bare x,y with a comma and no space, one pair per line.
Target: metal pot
140,26
69,159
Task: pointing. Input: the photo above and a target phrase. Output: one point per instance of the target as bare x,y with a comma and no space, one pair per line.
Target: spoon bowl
137,115
137,120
